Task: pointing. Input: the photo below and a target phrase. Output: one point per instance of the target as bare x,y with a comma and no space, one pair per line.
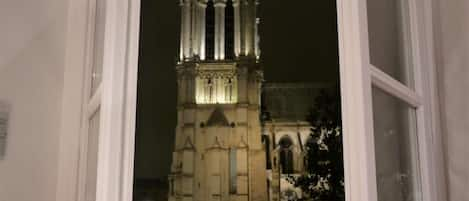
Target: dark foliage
324,177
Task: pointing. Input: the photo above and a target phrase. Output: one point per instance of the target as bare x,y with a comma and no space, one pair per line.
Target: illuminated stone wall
218,153
216,84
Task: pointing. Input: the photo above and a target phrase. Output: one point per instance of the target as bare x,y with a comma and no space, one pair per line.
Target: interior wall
32,57
452,34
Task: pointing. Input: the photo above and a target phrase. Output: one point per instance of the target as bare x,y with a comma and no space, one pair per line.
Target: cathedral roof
289,101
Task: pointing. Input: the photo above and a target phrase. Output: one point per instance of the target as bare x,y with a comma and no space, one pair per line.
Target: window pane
92,157
97,68
396,146
390,47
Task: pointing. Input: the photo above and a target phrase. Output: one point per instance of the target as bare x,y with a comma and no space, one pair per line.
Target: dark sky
298,44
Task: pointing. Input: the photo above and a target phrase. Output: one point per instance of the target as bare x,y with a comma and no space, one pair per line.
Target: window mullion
390,85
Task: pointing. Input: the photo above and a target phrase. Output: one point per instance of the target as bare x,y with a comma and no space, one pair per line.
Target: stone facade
218,142
218,145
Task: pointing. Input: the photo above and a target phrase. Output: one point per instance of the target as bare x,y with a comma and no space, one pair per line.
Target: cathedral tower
218,153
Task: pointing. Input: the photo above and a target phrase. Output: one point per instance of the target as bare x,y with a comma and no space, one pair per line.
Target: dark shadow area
156,104
299,41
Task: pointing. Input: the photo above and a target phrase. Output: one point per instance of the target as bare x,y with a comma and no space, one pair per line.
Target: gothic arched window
210,30
209,90
229,30
228,90
286,155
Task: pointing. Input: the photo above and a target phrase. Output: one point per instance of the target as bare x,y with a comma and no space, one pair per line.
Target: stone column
242,26
257,49
181,47
250,27
187,28
220,29
202,9
195,20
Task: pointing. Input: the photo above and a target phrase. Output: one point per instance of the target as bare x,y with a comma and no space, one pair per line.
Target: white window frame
357,78
118,101
115,98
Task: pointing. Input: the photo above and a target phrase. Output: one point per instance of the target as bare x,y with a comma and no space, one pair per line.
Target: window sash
357,78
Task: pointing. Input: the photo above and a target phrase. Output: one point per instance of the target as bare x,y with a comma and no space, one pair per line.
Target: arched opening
229,30
210,31
286,155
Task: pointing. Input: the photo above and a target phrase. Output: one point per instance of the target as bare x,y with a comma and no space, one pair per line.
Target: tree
323,179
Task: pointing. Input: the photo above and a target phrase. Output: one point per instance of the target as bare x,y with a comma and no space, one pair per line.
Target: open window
385,72
385,99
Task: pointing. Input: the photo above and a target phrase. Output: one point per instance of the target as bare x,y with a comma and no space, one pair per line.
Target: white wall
453,74
32,56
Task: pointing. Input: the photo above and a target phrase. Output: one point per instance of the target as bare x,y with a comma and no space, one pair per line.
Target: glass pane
92,157
396,147
389,40
97,68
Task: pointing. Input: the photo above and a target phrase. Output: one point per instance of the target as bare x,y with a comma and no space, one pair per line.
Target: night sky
298,44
